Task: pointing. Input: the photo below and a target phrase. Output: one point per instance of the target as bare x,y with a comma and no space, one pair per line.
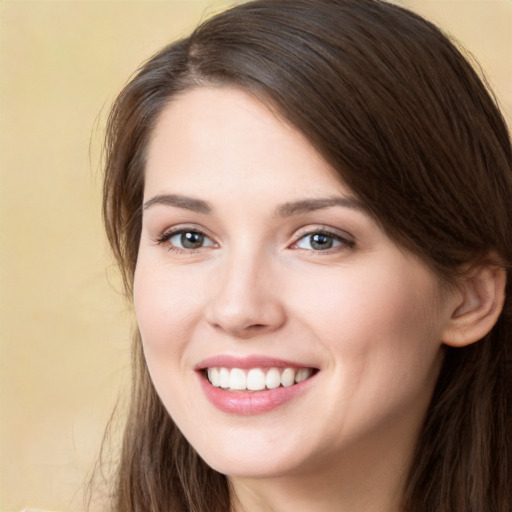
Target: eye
186,240
321,241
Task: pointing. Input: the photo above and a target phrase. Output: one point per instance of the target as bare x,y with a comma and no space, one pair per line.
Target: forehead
224,137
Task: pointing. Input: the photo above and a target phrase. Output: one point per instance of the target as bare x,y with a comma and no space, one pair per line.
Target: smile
253,384
256,379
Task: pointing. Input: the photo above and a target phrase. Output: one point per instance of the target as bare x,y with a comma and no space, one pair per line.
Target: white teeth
288,377
213,376
256,379
237,379
224,378
303,374
273,378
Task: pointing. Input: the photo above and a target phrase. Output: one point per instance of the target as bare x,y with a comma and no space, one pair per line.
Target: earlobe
482,294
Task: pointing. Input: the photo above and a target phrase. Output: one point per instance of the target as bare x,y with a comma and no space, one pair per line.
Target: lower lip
251,402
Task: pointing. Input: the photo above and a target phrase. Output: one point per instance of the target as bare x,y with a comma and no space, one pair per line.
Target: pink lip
225,361
249,402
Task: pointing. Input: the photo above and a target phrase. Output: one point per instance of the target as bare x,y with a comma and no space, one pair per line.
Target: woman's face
258,266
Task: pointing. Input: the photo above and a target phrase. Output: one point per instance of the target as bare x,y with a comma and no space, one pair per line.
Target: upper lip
253,361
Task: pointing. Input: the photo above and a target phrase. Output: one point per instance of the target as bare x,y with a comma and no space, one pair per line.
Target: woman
309,201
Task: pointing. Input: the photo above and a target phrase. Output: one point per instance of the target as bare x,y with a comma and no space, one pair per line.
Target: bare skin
252,246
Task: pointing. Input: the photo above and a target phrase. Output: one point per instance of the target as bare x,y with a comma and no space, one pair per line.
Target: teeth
302,374
213,376
237,379
224,378
273,378
256,379
288,377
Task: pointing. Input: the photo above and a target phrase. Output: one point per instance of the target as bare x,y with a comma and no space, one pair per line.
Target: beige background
64,338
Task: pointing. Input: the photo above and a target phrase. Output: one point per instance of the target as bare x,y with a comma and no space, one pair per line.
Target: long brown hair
397,110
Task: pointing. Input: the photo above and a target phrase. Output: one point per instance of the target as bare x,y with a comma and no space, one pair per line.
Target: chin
239,468
253,461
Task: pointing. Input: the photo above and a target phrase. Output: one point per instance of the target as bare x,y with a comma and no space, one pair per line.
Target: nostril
245,319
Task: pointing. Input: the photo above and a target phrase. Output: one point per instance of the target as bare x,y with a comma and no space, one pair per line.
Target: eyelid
169,233
346,239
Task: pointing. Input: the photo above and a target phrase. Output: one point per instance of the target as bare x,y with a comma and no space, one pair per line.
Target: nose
246,301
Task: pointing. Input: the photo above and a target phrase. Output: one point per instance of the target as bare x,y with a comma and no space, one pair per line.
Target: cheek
165,318
382,334
381,328
164,313
353,306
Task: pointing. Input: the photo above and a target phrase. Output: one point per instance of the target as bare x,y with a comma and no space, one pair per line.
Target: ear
482,294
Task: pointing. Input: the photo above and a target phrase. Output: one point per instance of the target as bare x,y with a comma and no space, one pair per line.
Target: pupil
191,240
321,242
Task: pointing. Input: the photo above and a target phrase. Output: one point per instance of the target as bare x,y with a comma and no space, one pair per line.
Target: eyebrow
185,202
285,210
308,205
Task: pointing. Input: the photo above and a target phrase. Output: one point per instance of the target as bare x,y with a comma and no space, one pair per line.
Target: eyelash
343,242
167,236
